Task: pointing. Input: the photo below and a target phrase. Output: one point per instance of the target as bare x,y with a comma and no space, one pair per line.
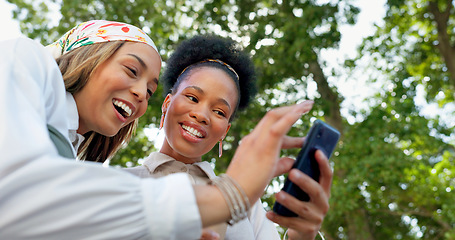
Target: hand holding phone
322,137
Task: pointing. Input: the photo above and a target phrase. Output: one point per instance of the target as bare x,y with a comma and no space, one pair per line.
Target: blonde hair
77,66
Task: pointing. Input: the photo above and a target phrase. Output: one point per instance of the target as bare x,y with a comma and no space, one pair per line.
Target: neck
168,150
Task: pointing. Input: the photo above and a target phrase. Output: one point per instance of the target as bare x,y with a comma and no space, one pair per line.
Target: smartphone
321,136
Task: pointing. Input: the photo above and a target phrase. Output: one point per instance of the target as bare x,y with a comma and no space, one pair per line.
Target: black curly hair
194,52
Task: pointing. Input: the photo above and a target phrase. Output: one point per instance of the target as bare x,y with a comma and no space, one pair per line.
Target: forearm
213,208
86,201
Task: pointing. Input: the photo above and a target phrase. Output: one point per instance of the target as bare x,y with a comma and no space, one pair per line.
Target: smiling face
197,114
119,89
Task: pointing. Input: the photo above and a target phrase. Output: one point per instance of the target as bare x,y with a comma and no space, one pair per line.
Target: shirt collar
156,159
207,168
73,121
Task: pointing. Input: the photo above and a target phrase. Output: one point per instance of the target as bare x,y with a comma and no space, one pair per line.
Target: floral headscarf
97,31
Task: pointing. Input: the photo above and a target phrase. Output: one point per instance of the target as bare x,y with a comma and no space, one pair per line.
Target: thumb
208,234
284,165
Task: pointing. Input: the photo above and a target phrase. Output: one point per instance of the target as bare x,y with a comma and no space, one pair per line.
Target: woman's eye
150,92
221,113
132,71
191,98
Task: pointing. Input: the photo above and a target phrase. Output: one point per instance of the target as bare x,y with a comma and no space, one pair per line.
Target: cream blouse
255,227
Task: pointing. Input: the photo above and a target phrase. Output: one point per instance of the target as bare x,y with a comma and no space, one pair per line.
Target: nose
200,114
139,90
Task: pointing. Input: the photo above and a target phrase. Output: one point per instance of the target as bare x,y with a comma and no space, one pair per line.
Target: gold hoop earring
162,120
220,148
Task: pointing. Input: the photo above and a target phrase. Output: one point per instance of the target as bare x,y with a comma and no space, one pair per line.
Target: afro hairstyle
202,47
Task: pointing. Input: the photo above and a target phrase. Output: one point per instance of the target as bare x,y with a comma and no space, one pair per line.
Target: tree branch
422,213
331,101
445,47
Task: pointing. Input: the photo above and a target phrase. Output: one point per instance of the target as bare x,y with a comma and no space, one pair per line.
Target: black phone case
321,136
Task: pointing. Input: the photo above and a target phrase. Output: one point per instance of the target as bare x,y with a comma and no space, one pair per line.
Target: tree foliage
413,52
393,170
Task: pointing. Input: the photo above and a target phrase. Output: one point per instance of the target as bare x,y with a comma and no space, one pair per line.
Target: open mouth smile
122,108
192,131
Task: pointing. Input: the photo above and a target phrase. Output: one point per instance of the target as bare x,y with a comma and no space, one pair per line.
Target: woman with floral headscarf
88,107
110,54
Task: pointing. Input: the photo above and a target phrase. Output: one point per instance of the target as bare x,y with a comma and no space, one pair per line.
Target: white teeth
123,106
192,131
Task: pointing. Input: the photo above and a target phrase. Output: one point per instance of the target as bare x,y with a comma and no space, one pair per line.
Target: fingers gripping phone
321,136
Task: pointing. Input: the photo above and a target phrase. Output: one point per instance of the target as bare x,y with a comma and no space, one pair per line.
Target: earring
162,121
220,148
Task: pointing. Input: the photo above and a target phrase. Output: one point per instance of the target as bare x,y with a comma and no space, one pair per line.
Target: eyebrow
142,64
221,100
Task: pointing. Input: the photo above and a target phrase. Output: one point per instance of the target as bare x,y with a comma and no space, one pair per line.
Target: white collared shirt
73,121
45,196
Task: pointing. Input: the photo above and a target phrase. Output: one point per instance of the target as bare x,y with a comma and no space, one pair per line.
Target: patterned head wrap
97,31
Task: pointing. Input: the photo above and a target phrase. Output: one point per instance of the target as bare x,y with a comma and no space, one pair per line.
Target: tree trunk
329,97
445,47
357,220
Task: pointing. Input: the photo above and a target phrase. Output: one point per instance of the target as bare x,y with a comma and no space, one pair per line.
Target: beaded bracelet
236,199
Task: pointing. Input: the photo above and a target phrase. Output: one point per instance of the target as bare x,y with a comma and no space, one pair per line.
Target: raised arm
255,161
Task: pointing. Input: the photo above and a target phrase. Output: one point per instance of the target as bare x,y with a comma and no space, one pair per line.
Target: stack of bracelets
235,197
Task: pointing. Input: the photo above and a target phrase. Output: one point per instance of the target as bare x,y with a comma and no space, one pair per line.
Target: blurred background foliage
394,168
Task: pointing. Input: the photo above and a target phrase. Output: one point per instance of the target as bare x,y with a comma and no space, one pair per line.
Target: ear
166,103
227,130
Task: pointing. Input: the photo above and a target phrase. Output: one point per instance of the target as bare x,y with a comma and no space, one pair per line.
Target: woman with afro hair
207,80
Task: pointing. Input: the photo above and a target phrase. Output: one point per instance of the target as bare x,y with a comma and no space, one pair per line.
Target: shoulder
150,164
18,47
139,171
30,57
20,41
28,65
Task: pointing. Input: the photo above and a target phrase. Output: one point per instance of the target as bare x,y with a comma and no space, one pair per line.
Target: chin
193,154
109,132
